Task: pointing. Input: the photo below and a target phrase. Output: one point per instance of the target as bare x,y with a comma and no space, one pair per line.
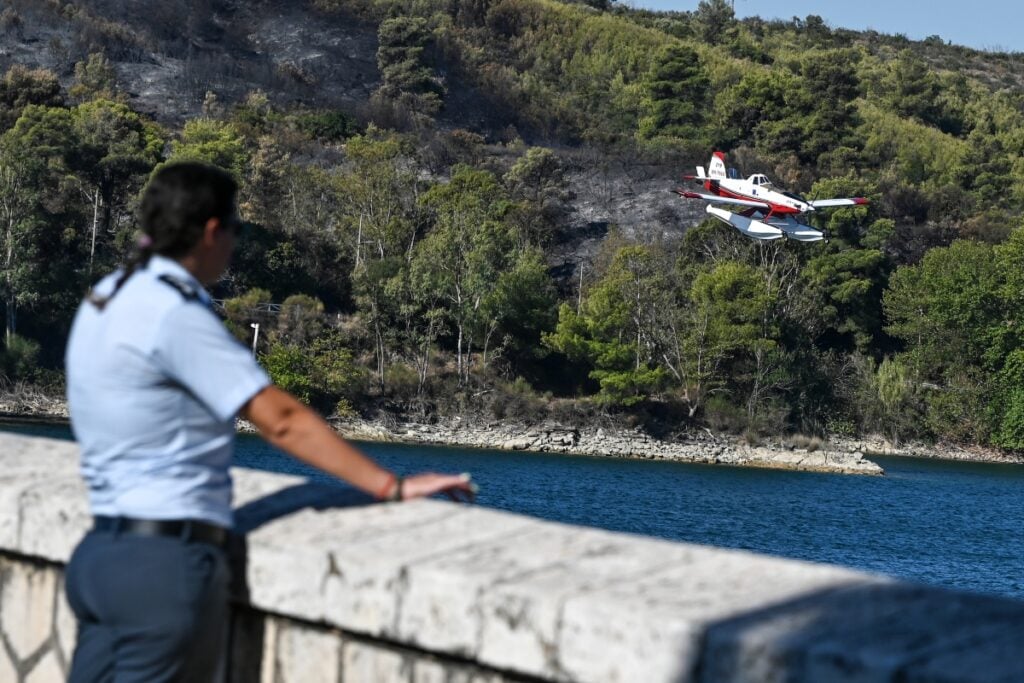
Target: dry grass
804,442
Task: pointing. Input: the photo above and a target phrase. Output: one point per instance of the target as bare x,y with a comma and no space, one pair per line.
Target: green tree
714,18
300,320
1008,406
520,308
377,224
732,301
406,78
41,249
21,87
464,254
911,89
117,149
250,308
538,180
677,89
846,286
322,374
95,78
212,142
894,387
946,308
613,332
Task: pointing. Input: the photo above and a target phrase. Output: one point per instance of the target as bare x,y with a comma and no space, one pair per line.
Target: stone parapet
339,589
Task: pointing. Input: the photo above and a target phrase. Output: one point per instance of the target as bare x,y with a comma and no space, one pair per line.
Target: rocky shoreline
698,447
846,456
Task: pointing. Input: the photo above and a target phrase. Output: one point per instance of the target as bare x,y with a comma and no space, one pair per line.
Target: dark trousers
151,609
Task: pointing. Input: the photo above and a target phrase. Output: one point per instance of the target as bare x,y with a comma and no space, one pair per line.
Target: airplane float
768,213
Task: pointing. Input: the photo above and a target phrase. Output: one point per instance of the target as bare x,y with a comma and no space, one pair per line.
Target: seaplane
768,213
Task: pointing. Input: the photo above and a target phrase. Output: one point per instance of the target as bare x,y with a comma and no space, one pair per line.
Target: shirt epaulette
185,288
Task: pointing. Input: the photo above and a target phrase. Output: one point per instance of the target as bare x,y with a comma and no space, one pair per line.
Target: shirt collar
161,265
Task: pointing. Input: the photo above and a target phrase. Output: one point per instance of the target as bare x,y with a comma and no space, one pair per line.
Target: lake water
945,523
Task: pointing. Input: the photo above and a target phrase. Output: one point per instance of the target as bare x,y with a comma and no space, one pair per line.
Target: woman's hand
458,487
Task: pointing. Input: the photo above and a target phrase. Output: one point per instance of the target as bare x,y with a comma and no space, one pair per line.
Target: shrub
517,401
19,360
722,416
328,125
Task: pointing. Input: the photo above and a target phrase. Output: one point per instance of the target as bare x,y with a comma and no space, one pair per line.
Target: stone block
653,628
365,578
46,670
429,671
426,671
522,616
8,671
441,609
26,462
55,516
347,569
307,655
27,607
364,662
65,627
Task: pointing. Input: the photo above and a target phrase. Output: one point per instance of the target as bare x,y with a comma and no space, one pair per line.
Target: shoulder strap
185,288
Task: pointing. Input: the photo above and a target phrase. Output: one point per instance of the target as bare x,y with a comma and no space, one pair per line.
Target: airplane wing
715,199
827,203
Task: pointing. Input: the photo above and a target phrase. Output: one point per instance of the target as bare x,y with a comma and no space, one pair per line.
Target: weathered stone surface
522,616
654,627
306,655
366,663
7,670
28,462
46,670
65,628
27,607
434,672
352,565
55,515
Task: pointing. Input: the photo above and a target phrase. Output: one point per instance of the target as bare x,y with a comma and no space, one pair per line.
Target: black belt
188,530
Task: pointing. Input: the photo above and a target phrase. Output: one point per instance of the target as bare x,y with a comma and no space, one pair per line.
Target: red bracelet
386,488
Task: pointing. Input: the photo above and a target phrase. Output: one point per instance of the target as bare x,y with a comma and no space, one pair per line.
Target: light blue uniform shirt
154,383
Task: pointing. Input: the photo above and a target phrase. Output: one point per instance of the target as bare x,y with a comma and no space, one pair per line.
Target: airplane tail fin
716,167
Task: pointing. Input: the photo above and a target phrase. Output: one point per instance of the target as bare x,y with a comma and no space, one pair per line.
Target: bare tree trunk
458,353
378,339
359,240
579,294
95,225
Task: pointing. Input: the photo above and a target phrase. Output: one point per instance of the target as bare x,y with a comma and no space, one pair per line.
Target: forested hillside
464,207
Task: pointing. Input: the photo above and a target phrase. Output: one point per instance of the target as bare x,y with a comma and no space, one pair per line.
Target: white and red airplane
768,212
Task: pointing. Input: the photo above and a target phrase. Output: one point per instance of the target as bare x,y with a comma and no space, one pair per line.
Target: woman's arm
292,427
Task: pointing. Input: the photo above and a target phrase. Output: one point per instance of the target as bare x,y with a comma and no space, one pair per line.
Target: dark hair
176,204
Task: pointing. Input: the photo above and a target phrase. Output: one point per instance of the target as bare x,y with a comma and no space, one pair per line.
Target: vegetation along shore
460,213
849,456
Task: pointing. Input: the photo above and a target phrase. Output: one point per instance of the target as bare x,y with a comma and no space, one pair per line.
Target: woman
154,384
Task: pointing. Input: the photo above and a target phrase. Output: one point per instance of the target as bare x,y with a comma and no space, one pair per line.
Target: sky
991,25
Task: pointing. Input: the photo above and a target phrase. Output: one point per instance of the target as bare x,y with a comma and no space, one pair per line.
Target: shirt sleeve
195,349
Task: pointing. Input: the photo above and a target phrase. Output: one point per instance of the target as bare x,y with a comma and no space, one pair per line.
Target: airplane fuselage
779,204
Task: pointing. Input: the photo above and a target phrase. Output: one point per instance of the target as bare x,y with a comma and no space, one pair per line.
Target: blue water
945,523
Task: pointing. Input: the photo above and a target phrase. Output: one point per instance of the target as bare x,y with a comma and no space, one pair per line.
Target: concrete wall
336,589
